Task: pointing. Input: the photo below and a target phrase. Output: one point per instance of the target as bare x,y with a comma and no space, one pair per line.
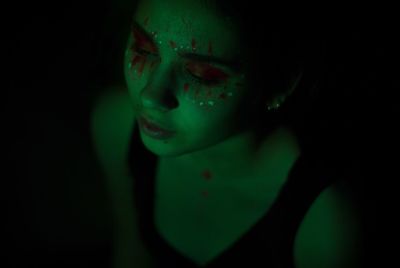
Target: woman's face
184,70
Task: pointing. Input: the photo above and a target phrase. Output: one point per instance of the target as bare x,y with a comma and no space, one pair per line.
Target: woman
218,164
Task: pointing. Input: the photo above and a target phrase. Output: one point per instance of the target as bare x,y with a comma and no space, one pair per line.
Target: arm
112,125
329,236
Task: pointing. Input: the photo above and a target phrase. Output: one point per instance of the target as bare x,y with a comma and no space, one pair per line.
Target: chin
162,148
175,147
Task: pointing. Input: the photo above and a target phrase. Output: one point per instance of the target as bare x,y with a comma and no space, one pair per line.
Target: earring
274,106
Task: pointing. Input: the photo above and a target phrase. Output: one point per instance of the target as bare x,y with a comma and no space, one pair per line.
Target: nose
159,92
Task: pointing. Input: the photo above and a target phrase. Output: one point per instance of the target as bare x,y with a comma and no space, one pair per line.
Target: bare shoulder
330,234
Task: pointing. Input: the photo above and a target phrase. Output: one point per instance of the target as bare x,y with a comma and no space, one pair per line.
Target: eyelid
143,51
229,66
207,71
232,66
201,80
144,40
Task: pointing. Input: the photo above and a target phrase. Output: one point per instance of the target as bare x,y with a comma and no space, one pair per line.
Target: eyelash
193,78
143,52
198,80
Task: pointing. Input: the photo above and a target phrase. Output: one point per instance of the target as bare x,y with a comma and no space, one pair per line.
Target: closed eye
206,73
143,52
202,80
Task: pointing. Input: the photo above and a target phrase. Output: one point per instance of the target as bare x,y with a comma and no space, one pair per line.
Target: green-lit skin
326,238
200,117
212,148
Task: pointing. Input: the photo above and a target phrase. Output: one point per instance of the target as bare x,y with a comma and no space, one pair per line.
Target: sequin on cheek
193,44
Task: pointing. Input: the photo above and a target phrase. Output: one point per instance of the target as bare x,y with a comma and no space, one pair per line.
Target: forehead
182,21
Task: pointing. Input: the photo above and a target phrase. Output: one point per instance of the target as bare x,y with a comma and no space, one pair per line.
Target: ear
292,85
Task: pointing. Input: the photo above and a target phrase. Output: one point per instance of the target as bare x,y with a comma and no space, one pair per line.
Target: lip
152,129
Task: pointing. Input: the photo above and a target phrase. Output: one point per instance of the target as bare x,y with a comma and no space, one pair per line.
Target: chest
201,217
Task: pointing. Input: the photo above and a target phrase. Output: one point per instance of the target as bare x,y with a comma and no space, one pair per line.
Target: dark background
58,58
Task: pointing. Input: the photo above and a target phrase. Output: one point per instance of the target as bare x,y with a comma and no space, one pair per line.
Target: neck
240,154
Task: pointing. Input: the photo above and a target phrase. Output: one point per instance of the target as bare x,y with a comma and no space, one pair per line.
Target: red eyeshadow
141,68
172,44
207,175
136,60
141,41
206,71
186,87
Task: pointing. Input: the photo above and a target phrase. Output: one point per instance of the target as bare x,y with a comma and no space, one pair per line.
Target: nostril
172,102
164,100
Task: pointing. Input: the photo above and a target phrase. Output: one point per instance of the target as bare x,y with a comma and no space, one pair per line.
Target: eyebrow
234,65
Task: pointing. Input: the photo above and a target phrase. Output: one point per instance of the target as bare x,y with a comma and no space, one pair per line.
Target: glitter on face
208,93
193,44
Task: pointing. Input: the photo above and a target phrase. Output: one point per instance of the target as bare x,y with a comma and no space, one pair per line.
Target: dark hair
321,110
328,107
278,46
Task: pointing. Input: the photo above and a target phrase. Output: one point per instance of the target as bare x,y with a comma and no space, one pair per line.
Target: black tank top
269,243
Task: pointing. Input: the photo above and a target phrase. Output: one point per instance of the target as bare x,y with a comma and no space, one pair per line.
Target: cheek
208,96
137,70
